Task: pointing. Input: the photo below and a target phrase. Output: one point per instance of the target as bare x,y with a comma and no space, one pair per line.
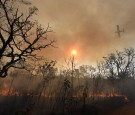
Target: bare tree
20,35
120,67
121,64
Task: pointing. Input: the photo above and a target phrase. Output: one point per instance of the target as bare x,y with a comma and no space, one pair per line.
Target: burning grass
51,98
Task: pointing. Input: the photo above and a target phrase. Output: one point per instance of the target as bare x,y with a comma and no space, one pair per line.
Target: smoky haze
88,26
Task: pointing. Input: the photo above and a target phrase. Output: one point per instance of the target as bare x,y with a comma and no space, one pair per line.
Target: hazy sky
88,26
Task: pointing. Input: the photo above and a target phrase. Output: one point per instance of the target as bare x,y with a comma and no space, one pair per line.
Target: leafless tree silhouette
20,35
121,64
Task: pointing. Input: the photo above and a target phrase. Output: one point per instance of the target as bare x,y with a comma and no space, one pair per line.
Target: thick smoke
88,26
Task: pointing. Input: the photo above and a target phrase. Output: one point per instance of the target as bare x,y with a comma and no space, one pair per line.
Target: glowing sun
73,52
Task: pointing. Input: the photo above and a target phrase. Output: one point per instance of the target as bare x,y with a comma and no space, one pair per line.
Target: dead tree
20,35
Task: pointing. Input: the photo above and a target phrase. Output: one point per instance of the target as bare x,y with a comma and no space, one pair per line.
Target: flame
103,95
7,91
106,95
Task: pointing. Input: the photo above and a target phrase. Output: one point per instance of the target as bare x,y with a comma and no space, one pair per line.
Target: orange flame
7,91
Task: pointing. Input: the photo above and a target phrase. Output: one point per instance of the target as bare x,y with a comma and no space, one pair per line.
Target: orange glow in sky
73,52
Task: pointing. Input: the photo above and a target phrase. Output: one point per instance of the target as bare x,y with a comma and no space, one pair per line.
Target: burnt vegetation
35,86
44,89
